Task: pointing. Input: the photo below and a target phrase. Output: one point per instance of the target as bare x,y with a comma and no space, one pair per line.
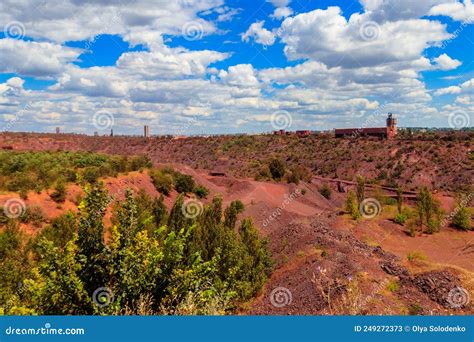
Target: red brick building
303,133
387,132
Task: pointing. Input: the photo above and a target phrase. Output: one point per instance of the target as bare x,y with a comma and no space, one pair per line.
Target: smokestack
146,131
58,130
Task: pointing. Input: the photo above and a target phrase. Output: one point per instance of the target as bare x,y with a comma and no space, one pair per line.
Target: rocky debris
378,251
437,285
392,268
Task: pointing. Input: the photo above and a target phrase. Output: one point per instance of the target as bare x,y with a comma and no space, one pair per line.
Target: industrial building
387,132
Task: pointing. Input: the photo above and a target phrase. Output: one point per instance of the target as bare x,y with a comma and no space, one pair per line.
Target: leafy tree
197,266
231,212
351,205
127,219
55,287
428,211
90,242
176,219
60,231
260,266
360,190
160,212
14,265
137,268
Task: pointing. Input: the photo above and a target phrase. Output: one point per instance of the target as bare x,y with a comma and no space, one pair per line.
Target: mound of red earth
323,270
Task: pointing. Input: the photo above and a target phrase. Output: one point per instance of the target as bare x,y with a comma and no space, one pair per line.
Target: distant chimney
111,132
146,131
58,130
391,126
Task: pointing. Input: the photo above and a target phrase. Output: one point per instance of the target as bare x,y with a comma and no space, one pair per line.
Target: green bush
351,205
400,218
91,174
325,191
184,183
277,169
23,194
190,266
23,171
34,215
429,211
201,191
462,218
59,193
163,182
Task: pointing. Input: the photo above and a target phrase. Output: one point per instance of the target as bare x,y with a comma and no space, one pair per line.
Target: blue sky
215,66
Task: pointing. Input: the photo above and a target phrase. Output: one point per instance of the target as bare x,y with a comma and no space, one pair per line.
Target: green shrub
201,191
389,201
416,256
462,218
414,309
184,183
400,218
34,215
91,174
23,194
59,193
293,178
277,169
351,205
163,182
263,173
429,212
325,191
393,286
139,162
